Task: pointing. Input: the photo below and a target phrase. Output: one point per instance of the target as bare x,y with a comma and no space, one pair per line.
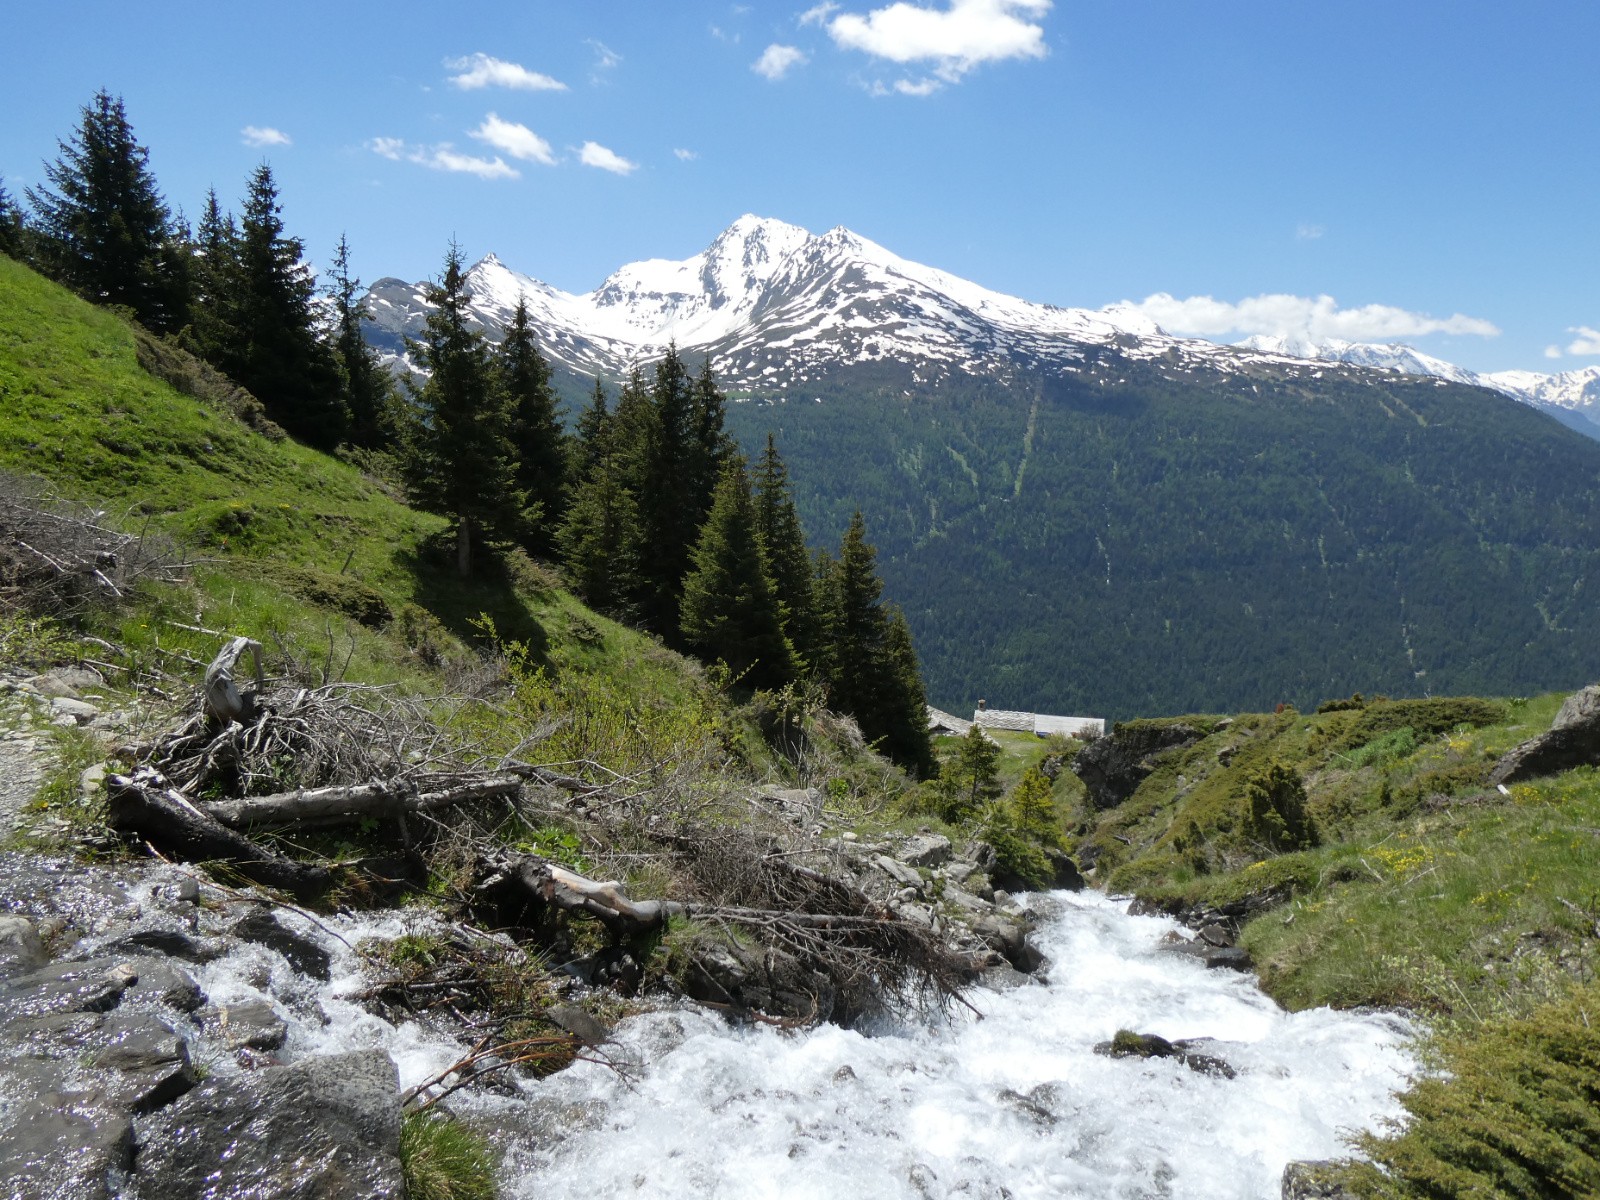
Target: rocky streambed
162,1038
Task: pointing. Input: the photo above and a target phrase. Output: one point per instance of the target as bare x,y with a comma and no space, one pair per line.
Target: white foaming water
1016,1104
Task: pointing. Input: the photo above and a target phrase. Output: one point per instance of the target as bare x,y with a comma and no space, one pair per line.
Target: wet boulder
324,1129
1128,1044
298,949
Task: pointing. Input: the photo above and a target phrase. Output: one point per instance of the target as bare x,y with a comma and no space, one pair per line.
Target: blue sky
1432,166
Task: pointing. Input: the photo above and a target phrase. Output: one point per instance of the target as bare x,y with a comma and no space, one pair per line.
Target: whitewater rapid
1015,1104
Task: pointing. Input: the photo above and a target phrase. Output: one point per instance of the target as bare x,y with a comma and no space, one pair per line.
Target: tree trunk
145,805
338,805
464,546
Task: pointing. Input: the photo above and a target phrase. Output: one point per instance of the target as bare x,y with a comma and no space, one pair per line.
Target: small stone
582,1025
21,948
849,835
79,710
250,1026
92,779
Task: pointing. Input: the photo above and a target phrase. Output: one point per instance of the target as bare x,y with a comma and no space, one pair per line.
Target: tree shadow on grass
461,604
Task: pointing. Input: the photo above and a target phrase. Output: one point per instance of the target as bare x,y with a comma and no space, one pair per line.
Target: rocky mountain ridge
775,306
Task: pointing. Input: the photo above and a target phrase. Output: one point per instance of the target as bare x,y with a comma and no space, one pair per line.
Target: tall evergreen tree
282,359
461,461
873,674
368,392
213,330
10,224
103,227
584,450
600,534
969,780
783,547
671,487
729,610
541,455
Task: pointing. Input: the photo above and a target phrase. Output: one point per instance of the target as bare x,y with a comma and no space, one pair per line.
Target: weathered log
530,879
222,697
336,805
145,805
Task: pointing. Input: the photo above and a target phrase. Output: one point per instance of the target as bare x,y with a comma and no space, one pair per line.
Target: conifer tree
729,611
10,225
461,461
872,673
368,393
784,552
536,433
281,359
669,482
584,450
969,780
103,228
599,537
1033,812
213,330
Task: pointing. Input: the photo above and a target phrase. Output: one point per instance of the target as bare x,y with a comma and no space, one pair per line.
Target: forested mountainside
1131,538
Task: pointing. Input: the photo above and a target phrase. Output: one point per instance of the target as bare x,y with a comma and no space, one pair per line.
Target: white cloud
593,154
516,140
686,155
1315,318
922,87
605,58
777,61
954,39
482,70
264,135
1309,233
819,14
442,157
1552,351
1587,341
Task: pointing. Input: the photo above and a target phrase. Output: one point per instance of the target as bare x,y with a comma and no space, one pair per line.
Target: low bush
444,1160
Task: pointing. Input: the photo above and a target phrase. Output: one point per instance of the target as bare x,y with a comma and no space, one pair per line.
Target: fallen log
147,806
514,881
309,807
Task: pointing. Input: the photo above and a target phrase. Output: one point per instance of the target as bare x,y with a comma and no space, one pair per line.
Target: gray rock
1572,741
301,952
897,871
150,1059
324,1129
1113,767
71,987
925,850
587,1028
1234,958
69,682
62,1145
21,948
79,710
161,983
250,1026
171,943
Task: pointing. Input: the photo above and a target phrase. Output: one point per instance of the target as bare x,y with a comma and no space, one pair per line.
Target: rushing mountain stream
1016,1103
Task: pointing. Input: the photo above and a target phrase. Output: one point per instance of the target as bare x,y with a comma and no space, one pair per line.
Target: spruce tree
599,537
461,460
729,611
103,228
783,547
282,360
368,392
10,225
671,487
585,450
969,780
536,433
213,330
1033,811
872,668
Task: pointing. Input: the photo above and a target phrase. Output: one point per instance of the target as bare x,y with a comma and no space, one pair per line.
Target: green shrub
1383,750
1517,1114
1426,718
1277,817
444,1160
342,593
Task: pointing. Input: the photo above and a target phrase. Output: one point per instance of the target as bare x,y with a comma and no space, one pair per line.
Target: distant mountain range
773,305
1083,514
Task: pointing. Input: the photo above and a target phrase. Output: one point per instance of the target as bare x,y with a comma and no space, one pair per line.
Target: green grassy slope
1426,889
287,541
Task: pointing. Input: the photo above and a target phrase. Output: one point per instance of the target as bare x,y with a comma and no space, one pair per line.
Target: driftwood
314,807
523,880
222,698
146,806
